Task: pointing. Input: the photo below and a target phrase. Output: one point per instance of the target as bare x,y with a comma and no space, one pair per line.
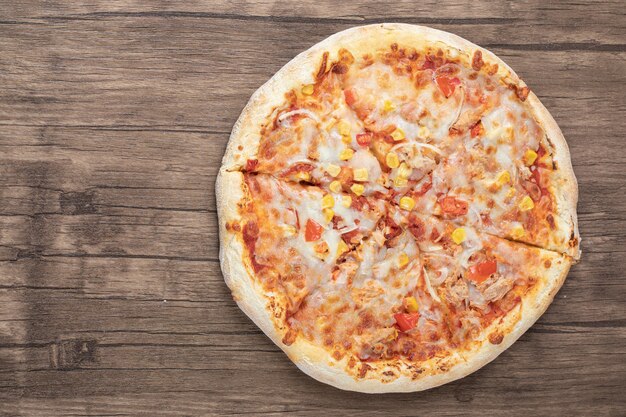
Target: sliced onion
429,247
419,145
304,161
429,287
442,67
477,214
440,255
445,271
305,112
458,113
348,229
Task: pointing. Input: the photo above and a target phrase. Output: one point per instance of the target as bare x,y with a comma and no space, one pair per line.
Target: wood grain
113,120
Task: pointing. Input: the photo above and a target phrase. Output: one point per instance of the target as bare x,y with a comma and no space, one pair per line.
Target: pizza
396,208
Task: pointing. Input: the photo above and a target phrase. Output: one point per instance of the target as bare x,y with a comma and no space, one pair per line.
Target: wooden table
114,118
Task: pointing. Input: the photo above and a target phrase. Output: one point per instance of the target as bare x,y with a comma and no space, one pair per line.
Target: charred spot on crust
521,92
495,338
477,61
290,337
351,362
339,68
322,70
363,370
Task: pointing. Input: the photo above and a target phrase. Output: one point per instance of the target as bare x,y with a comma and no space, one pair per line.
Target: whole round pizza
396,208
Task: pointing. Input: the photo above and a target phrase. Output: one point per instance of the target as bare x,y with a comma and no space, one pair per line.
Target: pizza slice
293,234
480,290
504,177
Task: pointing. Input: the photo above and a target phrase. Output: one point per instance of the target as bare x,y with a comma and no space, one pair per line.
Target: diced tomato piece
251,164
536,176
541,152
476,130
350,97
313,231
481,271
447,84
452,206
364,139
406,321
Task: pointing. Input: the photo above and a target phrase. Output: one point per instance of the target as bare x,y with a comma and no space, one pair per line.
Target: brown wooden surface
113,121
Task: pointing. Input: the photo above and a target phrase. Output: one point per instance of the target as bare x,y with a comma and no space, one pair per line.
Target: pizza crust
243,145
567,195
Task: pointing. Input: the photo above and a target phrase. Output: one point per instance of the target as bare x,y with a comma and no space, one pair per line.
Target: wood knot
77,202
463,395
70,354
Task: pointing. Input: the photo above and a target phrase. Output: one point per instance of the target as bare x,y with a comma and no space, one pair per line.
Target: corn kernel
289,230
407,203
410,303
389,106
343,127
398,134
335,186
303,176
360,174
504,178
346,154
404,171
511,192
458,235
526,204
333,170
346,139
423,132
392,160
346,201
307,90
529,157
518,232
400,182
341,247
403,260
357,189
328,201
328,214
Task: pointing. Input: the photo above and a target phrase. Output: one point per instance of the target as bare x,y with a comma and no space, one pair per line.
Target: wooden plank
534,21
127,370
176,82
114,117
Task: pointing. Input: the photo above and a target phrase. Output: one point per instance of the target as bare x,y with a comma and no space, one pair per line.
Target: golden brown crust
567,193
316,361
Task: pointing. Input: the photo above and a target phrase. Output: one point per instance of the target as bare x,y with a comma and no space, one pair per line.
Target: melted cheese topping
358,166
